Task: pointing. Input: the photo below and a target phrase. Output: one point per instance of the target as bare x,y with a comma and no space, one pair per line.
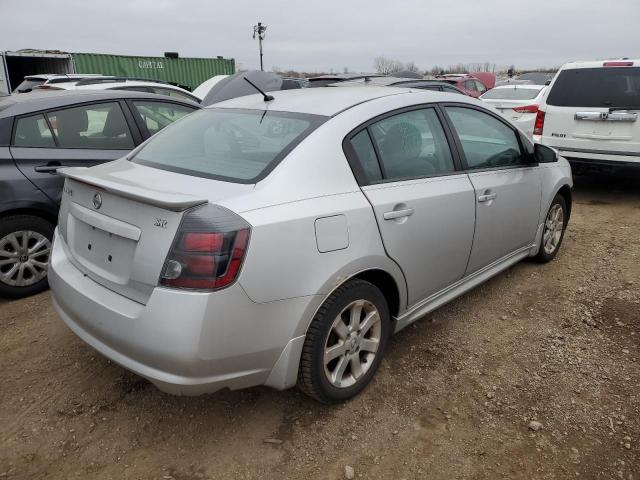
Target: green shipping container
185,72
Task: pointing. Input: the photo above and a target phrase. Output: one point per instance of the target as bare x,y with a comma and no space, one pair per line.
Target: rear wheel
25,246
555,224
345,343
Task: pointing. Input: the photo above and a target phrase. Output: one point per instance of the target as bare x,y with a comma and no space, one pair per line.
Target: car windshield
227,144
29,84
605,87
513,93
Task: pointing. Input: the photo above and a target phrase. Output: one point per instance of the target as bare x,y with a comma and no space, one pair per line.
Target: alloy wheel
554,224
352,343
24,256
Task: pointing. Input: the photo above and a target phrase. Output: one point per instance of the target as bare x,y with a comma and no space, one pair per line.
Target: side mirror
544,154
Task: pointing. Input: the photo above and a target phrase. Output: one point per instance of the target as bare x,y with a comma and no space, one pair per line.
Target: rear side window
100,126
366,154
597,87
470,85
486,141
412,144
33,132
157,115
236,145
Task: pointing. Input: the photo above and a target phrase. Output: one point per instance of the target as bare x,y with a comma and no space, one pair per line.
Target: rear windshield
605,87
235,145
512,94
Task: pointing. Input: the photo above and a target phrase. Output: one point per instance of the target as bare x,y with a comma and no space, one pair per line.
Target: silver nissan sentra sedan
281,241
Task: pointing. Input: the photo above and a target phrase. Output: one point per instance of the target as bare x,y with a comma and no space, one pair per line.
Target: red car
473,85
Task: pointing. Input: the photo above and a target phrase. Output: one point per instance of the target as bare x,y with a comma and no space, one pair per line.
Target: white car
280,239
115,83
590,113
35,81
518,103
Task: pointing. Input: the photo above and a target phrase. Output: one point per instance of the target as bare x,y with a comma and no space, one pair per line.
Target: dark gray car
43,131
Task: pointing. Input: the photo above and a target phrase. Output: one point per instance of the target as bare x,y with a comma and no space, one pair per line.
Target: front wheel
345,343
555,224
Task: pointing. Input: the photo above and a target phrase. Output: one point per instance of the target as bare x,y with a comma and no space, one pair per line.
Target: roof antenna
267,98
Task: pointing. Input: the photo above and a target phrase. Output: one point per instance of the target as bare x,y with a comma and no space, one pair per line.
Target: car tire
555,223
25,246
345,343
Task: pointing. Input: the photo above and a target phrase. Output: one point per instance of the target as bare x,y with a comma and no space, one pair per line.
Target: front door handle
487,197
406,212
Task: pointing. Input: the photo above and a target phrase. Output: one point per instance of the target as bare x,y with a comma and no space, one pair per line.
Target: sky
327,35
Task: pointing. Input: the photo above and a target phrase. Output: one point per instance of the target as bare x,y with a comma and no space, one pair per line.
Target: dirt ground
557,344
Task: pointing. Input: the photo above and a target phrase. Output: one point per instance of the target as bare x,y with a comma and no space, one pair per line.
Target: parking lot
455,397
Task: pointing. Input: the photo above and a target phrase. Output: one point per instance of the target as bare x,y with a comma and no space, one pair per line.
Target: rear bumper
186,343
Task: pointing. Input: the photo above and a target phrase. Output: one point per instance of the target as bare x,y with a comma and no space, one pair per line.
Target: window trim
354,162
135,134
523,151
139,122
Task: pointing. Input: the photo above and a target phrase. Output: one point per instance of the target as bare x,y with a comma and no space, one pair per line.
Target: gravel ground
535,374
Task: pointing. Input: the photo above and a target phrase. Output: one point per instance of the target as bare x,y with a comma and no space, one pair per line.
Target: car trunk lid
119,220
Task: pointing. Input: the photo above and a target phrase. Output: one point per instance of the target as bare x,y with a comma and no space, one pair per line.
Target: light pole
259,30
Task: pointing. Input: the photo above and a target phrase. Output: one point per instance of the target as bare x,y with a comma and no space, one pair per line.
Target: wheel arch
565,192
35,211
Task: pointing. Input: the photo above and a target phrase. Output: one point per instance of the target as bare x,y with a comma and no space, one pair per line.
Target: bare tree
411,67
385,66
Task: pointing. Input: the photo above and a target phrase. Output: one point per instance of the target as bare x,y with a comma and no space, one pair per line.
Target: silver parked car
282,241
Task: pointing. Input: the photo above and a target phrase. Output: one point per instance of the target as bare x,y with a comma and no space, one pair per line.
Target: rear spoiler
163,199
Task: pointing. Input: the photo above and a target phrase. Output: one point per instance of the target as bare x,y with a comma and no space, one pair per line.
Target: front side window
235,145
412,144
33,132
157,115
486,141
99,126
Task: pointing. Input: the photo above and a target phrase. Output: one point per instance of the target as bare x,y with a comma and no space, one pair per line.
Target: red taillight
617,64
526,109
202,242
208,251
539,125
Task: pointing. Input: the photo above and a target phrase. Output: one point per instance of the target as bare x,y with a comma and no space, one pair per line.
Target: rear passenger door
77,136
507,184
423,206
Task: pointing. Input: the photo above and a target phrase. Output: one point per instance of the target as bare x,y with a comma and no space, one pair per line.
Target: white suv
590,113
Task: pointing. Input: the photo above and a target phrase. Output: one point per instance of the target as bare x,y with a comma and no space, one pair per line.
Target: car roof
21,103
328,101
599,63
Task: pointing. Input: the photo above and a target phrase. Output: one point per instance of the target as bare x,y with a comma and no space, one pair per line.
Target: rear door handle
487,197
406,212
50,167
